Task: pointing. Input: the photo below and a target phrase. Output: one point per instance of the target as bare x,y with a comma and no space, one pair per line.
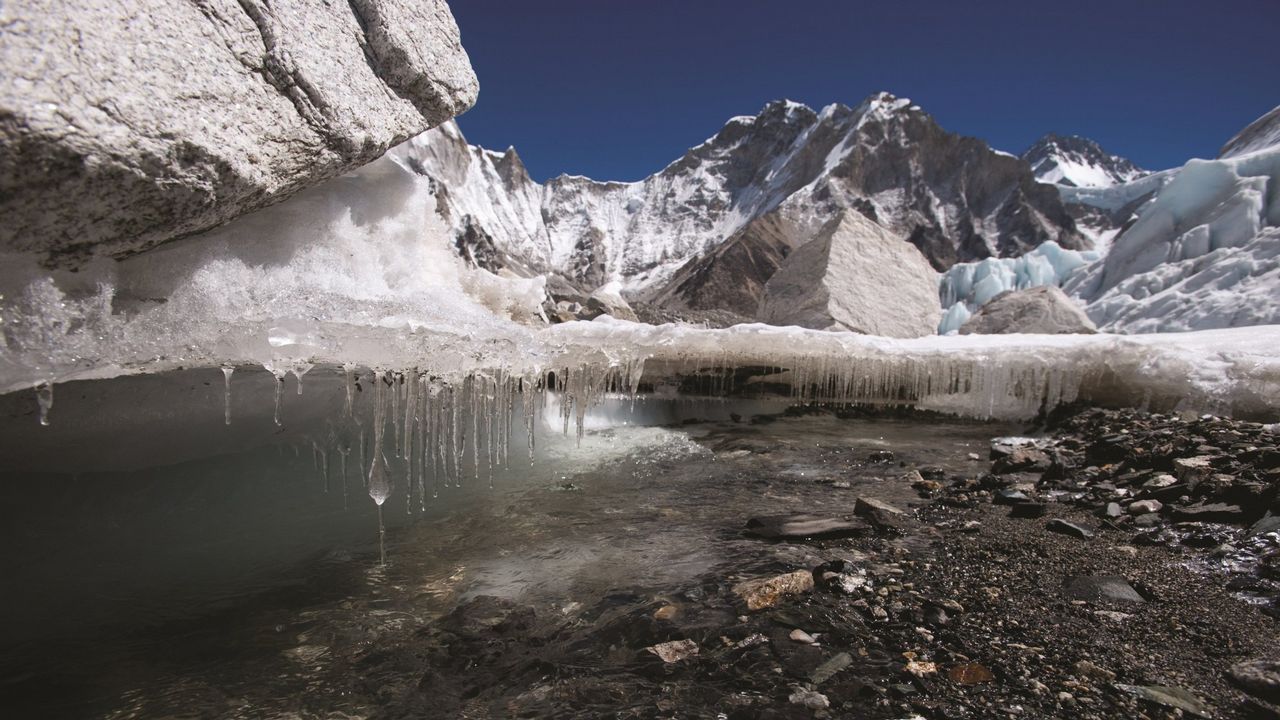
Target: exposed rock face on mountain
1046,310
737,203
1075,161
854,275
1261,134
124,125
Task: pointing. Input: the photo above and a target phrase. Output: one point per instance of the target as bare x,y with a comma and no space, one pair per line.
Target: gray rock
829,668
1260,677
1094,588
1170,697
1268,524
1044,310
131,124
1069,528
854,275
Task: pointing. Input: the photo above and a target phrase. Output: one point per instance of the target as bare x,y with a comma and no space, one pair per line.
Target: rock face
854,275
127,124
1045,310
732,208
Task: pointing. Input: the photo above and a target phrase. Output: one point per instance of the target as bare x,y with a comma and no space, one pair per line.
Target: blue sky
616,90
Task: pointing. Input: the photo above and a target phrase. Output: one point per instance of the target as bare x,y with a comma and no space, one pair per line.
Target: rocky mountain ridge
735,205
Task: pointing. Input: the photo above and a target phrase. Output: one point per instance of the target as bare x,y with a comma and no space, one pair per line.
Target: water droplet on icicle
44,396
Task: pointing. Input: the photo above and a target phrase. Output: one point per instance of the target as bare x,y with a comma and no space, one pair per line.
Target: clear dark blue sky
615,90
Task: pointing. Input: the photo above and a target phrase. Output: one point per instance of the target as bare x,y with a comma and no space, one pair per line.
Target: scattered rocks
762,593
809,698
970,673
1095,588
675,650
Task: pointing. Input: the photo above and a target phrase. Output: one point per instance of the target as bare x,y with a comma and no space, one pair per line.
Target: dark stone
1268,524
802,526
1069,528
1028,510
1022,460
1095,588
1210,512
1010,497
881,456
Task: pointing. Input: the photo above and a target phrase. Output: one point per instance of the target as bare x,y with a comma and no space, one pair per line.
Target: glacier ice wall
1204,253
966,287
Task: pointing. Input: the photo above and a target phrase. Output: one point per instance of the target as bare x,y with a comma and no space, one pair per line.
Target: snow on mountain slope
951,196
1261,134
1075,161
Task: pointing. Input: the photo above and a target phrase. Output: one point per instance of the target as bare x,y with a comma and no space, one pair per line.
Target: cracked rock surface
127,124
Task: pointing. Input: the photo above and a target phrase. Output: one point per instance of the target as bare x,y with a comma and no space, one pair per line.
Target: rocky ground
1120,565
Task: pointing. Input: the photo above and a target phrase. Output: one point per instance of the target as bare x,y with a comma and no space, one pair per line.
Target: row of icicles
430,431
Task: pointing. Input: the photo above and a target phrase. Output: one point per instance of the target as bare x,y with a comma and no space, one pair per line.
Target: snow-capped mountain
1078,162
952,197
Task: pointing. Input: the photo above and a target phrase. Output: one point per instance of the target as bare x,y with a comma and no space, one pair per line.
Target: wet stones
803,526
880,457
674,651
1106,588
762,593
1022,460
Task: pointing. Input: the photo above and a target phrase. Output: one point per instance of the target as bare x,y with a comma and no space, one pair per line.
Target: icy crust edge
1229,372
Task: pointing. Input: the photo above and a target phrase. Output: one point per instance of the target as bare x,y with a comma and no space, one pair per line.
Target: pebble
1144,507
801,636
809,698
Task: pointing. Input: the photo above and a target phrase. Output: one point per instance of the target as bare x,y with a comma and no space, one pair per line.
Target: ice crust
360,274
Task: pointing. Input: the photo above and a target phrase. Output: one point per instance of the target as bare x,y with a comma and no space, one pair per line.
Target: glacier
967,286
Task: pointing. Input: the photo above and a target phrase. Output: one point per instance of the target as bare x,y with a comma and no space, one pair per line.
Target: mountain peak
1077,161
1260,134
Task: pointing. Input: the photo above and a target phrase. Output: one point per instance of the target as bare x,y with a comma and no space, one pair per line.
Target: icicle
44,397
395,410
348,372
279,376
226,399
298,371
379,483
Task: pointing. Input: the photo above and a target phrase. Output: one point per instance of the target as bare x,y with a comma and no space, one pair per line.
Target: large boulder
854,275
127,123
1045,310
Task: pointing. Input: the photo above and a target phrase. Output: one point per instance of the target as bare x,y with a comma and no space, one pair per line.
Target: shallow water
238,580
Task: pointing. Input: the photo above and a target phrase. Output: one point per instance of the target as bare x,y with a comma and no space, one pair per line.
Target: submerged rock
802,526
764,593
675,650
216,109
